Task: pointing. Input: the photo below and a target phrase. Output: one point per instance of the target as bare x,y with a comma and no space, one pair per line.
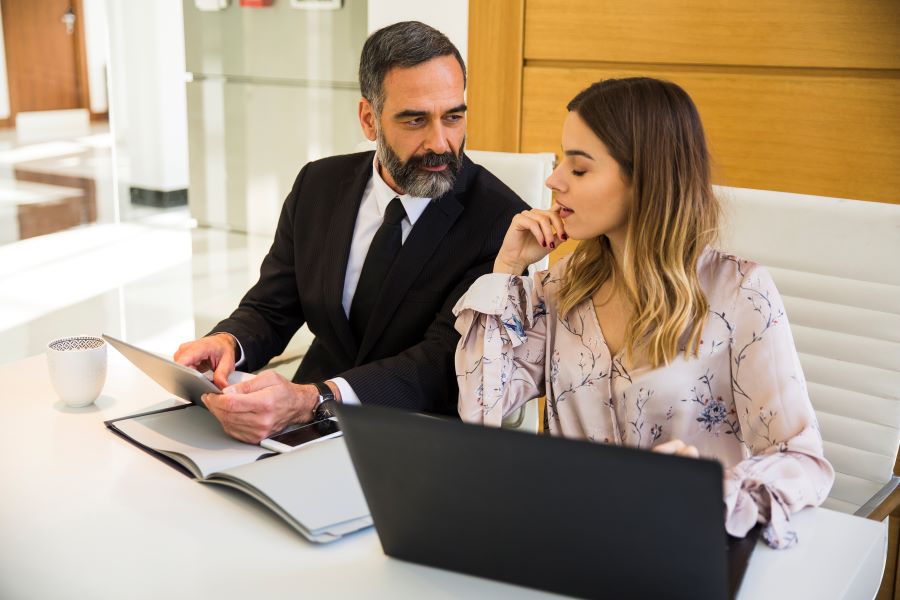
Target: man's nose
436,140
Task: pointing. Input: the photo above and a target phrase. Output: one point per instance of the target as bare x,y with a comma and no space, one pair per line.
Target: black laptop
570,517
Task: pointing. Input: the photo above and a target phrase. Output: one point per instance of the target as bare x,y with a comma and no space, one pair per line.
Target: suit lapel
423,240
336,250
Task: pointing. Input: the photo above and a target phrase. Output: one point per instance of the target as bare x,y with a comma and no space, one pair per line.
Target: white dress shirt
376,197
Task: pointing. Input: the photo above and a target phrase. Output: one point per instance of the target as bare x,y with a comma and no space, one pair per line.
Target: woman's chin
575,234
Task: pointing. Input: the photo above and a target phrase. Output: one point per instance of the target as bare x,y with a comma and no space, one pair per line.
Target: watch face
325,410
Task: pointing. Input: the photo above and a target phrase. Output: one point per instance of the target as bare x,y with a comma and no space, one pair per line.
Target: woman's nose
554,182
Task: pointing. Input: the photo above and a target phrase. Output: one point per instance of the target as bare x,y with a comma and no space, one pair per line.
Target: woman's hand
530,237
678,448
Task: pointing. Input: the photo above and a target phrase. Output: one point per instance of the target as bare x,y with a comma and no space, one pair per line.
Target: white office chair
835,262
525,174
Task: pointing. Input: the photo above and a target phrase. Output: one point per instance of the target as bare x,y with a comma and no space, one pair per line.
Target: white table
84,514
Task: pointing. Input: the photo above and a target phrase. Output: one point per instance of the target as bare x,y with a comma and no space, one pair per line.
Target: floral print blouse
742,400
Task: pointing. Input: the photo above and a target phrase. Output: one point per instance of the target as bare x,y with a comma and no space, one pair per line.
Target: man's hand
214,352
253,410
678,448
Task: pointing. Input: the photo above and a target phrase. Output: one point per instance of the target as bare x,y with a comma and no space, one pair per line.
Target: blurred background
146,147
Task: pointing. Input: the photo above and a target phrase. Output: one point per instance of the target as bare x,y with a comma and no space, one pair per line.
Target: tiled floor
156,283
49,184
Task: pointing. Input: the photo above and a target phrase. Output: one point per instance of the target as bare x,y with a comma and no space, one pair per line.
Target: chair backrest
837,265
525,174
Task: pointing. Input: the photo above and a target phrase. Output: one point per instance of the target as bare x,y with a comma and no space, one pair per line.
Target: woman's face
590,187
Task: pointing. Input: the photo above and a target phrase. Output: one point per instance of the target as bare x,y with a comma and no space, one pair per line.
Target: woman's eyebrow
578,153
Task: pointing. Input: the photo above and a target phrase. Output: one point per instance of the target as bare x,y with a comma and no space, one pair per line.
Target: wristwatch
325,406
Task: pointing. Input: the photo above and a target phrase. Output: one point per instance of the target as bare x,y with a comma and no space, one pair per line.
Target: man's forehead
435,85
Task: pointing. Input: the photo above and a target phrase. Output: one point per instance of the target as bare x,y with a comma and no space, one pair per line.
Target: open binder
314,488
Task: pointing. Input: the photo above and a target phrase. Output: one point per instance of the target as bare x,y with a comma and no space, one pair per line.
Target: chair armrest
884,502
514,421
526,418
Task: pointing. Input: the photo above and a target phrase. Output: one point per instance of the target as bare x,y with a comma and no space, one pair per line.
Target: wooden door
45,61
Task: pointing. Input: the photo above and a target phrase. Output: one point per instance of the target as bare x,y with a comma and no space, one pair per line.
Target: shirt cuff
490,294
240,361
348,396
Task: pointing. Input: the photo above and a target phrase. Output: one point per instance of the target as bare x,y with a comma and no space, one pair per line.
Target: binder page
316,485
193,433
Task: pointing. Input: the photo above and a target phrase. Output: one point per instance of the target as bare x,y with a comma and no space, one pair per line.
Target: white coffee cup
77,368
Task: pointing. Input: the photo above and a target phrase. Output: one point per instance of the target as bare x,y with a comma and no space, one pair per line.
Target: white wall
147,83
96,48
451,17
4,85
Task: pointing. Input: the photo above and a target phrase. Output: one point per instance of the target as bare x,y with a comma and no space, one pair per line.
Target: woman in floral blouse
645,336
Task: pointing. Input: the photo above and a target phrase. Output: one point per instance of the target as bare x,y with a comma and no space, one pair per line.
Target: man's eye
453,118
415,122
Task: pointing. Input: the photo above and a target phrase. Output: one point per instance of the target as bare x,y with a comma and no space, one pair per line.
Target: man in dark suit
372,251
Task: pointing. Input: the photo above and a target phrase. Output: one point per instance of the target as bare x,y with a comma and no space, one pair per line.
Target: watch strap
325,392
325,407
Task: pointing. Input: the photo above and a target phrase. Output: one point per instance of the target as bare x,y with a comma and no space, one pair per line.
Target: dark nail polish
565,237
552,245
544,244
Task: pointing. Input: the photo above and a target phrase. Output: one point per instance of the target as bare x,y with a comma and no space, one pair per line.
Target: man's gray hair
403,45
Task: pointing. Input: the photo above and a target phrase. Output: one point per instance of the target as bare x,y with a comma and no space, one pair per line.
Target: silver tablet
182,381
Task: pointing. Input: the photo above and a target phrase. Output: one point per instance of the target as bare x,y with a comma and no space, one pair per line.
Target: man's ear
367,119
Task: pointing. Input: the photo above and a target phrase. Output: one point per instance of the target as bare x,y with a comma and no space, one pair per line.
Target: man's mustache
431,159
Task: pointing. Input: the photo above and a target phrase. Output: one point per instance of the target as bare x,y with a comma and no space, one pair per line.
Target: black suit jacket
405,358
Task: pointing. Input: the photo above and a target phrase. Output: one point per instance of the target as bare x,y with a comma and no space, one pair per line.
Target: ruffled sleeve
786,470
500,356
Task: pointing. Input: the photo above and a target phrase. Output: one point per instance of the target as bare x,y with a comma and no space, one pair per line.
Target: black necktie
381,255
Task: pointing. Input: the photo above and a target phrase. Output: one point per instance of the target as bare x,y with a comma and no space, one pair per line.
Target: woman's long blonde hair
652,129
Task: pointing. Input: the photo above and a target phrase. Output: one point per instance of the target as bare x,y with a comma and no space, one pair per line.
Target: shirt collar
413,206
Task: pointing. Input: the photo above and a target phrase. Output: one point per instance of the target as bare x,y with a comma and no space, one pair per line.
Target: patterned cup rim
76,343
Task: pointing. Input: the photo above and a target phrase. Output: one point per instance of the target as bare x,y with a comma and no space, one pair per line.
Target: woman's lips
565,211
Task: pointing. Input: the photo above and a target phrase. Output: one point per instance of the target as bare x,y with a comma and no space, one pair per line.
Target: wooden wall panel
800,33
827,134
495,64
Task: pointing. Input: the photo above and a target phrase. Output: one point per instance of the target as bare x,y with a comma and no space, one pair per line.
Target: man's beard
411,177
